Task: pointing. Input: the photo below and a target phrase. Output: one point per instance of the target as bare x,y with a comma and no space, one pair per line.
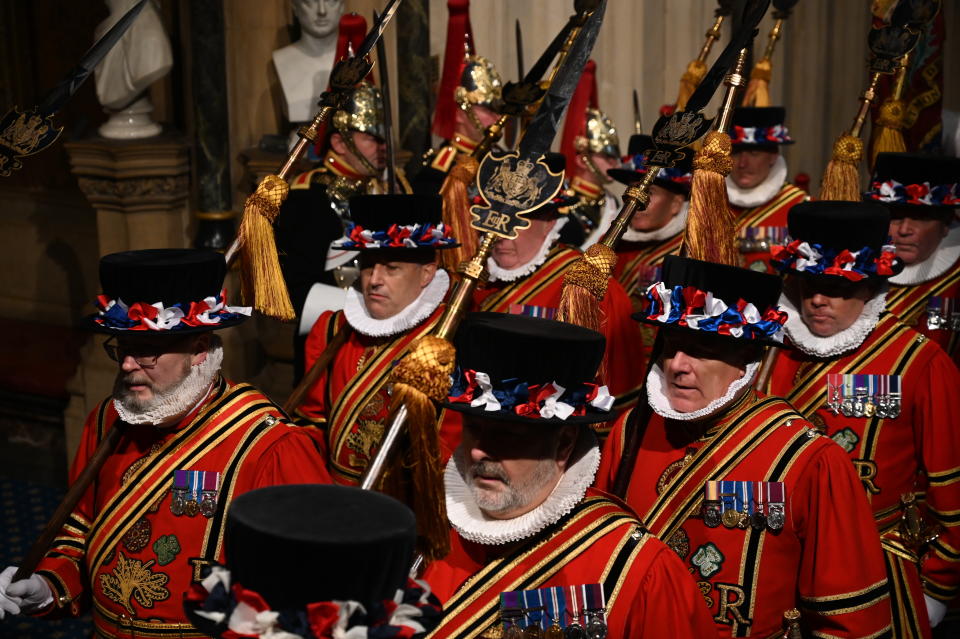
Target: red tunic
647,591
917,451
759,226
543,288
825,560
910,302
124,549
350,403
638,266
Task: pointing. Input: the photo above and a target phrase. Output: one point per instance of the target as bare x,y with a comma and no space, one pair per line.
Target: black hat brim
628,177
90,323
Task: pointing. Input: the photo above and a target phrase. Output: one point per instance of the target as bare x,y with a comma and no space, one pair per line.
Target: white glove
936,610
27,595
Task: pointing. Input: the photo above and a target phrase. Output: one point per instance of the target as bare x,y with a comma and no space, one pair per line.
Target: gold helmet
480,83
363,111
599,135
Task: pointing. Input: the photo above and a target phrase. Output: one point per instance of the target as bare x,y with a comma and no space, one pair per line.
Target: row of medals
731,518
594,628
886,406
181,504
937,320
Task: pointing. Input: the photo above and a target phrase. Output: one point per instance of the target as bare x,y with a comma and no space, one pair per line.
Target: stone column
139,190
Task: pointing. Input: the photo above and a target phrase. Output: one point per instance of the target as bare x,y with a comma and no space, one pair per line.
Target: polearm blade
24,133
376,31
518,33
637,122
59,95
534,145
387,111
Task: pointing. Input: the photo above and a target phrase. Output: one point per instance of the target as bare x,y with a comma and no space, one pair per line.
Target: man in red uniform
532,544
757,186
399,298
885,393
921,192
191,442
591,146
767,515
526,277
654,232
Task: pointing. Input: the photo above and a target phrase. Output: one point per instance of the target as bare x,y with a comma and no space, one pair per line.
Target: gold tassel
261,279
456,212
841,179
689,82
711,231
584,285
888,136
415,474
758,89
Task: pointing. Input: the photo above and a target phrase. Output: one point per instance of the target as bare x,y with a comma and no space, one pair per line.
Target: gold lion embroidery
133,578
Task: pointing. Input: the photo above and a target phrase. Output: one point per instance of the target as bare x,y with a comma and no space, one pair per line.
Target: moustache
489,469
134,380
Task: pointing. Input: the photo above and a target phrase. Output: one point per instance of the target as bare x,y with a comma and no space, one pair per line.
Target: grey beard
515,495
173,401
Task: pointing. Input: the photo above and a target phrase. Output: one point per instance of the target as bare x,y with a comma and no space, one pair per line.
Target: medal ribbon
211,481
556,605
533,604
759,489
180,481
510,601
575,604
196,481
728,495
776,493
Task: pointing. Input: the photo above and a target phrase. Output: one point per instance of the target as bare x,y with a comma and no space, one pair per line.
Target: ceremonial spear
24,133
888,44
512,185
261,278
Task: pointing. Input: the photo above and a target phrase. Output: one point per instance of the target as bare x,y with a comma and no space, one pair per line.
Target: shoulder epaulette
304,180
444,158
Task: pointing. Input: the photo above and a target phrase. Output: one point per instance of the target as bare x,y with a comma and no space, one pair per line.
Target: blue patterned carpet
24,510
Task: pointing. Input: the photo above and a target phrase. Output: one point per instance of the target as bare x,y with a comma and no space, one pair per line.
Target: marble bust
140,58
304,66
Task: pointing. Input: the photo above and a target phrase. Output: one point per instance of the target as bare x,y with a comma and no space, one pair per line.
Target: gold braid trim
592,271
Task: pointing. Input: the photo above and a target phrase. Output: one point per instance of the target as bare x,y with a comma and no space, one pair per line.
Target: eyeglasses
144,356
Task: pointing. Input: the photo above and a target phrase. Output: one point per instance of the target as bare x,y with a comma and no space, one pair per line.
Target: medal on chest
943,313
744,504
194,493
558,612
856,395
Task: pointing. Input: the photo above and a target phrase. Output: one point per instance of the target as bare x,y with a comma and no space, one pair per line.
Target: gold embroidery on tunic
133,578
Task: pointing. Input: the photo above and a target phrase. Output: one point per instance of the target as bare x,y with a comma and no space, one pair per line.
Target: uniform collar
676,225
846,340
587,188
498,274
463,144
661,405
761,193
471,524
339,166
934,266
356,314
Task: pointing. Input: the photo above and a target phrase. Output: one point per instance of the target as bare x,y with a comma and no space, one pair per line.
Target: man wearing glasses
190,441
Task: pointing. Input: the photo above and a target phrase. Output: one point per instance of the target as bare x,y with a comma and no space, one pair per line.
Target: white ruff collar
183,398
498,274
761,193
934,266
847,339
418,310
661,405
470,522
676,225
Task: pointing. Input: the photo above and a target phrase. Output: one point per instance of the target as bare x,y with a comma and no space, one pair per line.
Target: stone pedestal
139,190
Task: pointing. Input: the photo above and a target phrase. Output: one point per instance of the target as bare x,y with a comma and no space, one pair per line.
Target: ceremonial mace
423,375
261,277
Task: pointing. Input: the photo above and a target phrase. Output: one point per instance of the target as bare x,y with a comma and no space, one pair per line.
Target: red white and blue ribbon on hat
691,307
814,259
141,316
776,134
893,192
671,174
534,401
397,236
245,613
